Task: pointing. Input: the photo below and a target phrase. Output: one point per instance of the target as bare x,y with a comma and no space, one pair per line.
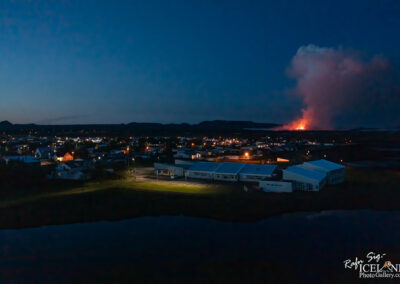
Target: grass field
114,185
62,203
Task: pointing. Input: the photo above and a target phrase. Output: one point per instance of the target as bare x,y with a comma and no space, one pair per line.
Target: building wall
333,177
302,182
304,186
275,186
226,177
336,177
252,178
168,170
200,175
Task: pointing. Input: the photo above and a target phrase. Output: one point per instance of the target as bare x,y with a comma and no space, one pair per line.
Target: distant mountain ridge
6,123
138,128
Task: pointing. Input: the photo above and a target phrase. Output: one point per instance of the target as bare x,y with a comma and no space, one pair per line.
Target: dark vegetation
217,127
364,189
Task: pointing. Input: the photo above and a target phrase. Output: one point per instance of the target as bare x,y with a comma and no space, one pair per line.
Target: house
187,154
256,172
45,153
27,160
304,179
64,157
73,170
275,186
22,149
335,172
228,171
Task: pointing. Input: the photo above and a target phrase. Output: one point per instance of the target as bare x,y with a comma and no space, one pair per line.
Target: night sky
65,62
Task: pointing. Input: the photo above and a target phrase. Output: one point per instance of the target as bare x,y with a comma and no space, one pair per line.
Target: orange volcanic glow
298,125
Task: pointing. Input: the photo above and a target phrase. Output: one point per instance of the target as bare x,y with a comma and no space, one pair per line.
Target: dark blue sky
172,61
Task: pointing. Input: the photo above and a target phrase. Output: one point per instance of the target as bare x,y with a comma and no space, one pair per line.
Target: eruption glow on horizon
339,88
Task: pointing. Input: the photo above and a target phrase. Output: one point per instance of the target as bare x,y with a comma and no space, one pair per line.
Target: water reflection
305,246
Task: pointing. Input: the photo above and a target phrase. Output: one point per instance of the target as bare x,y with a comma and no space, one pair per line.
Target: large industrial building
170,170
334,172
275,186
255,172
228,171
203,170
309,176
304,179
231,171
217,171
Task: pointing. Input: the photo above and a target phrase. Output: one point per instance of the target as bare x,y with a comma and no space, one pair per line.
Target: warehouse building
171,170
304,179
275,186
335,173
310,176
203,170
255,172
231,171
228,171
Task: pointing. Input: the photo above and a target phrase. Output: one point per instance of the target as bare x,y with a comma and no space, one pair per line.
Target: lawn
127,198
120,184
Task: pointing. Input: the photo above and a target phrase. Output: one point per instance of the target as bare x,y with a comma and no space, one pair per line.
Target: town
199,141
267,161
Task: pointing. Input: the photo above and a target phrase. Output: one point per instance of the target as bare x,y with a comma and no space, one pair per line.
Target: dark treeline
218,127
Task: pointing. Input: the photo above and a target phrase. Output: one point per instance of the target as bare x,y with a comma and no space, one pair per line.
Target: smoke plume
341,90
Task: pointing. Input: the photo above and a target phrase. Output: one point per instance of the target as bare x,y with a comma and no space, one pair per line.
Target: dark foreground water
305,247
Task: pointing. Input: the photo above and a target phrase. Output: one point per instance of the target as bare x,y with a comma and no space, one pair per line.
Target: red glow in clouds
300,124
339,88
305,122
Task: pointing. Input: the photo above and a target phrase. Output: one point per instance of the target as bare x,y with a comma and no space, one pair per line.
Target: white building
228,171
304,179
335,172
74,170
256,172
275,186
170,170
203,170
187,154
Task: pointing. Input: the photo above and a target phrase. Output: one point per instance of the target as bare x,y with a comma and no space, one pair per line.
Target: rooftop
254,169
24,159
230,168
328,165
305,172
205,166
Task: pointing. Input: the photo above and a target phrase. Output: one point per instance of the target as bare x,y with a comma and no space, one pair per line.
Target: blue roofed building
304,179
203,170
335,172
256,172
228,171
